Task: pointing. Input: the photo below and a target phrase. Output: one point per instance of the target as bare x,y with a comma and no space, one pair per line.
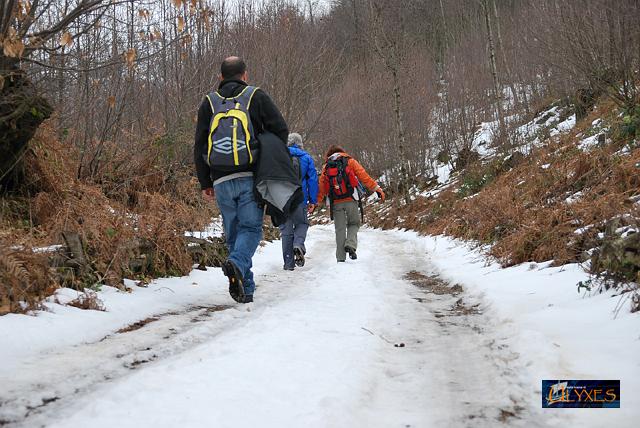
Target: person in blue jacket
294,231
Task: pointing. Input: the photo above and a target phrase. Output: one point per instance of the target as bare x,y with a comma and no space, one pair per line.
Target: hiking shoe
341,261
236,287
288,268
248,298
298,255
352,253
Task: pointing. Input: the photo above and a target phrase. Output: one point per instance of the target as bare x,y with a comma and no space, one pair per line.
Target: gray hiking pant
346,217
294,233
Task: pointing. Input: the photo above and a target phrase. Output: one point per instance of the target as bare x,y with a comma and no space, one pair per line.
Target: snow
61,326
49,249
214,230
317,348
484,137
589,142
574,197
564,126
39,250
625,231
531,130
443,171
561,335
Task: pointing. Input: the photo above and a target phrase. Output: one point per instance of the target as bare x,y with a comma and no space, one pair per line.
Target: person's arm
323,188
200,146
270,116
312,181
366,179
362,175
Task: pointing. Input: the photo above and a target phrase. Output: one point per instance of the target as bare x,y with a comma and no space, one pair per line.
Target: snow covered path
380,342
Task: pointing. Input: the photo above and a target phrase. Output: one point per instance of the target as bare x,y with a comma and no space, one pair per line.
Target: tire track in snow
54,379
336,325
470,376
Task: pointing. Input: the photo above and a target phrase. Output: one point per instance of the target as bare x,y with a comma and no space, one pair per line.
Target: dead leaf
111,101
177,3
180,24
35,42
130,57
66,39
1,82
157,34
144,13
13,48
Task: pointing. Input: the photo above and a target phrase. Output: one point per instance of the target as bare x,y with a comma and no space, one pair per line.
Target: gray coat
277,182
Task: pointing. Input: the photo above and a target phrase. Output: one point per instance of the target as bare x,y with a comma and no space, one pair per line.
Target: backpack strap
244,97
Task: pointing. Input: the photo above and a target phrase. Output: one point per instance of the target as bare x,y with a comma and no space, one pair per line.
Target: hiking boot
298,255
288,268
236,287
352,253
248,298
341,261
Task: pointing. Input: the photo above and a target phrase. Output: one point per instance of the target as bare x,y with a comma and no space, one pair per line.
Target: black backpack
296,167
342,179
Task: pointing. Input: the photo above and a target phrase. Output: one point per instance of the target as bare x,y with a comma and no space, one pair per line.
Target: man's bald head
233,68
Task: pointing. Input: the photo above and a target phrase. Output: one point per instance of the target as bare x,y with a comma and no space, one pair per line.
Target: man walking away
339,181
225,154
294,231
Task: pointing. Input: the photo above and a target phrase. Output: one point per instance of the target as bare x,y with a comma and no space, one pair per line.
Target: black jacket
265,117
277,182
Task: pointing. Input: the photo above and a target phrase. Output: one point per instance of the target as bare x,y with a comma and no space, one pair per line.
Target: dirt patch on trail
137,325
433,284
207,311
460,308
436,285
200,312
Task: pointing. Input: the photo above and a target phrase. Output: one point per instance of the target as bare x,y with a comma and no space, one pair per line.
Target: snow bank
560,333
59,325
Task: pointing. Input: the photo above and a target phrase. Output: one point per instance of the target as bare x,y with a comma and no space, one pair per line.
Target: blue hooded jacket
308,173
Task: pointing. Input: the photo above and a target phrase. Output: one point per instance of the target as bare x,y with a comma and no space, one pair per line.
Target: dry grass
523,212
88,300
131,219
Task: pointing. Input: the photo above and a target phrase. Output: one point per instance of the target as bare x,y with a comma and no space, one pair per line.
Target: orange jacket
358,170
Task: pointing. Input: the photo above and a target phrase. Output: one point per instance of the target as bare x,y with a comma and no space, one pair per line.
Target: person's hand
311,208
208,194
381,194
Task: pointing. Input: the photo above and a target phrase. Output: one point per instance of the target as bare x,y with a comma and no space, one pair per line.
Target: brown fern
13,266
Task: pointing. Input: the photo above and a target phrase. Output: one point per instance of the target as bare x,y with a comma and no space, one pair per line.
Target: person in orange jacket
339,180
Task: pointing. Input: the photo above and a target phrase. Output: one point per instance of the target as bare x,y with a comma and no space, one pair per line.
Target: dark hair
333,149
233,67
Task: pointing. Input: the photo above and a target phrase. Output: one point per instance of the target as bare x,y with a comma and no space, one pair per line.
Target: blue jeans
242,222
293,233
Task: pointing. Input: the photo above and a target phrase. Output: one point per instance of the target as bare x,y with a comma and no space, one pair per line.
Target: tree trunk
492,63
22,110
404,180
514,92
